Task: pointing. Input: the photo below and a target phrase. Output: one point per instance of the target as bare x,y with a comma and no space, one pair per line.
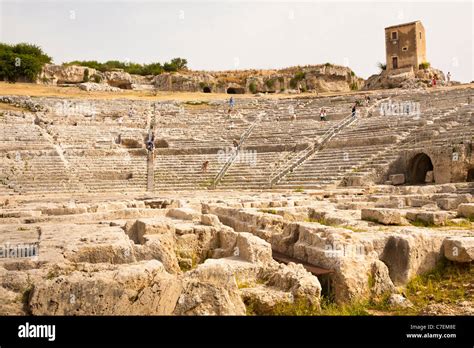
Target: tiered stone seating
74,145
453,119
110,170
253,169
374,142
185,171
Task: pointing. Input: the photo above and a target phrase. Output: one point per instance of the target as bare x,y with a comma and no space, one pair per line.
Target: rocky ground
379,251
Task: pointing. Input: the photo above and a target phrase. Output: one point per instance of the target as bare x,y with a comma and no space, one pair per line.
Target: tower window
394,35
405,48
420,35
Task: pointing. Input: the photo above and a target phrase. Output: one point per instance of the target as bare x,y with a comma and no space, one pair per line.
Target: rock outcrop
459,249
65,74
137,289
407,78
317,78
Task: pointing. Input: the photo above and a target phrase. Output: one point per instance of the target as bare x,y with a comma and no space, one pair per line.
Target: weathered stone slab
382,216
466,210
459,249
436,218
397,179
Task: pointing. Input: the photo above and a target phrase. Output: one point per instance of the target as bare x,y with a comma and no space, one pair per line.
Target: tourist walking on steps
150,144
354,110
204,167
367,101
448,78
231,104
322,114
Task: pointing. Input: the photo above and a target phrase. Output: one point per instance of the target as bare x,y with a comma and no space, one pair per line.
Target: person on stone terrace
231,104
150,144
322,114
205,166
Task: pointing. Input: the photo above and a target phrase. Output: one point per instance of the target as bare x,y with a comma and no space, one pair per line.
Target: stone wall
447,166
409,47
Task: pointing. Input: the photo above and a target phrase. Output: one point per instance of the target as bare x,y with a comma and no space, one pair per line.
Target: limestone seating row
248,174
185,171
328,166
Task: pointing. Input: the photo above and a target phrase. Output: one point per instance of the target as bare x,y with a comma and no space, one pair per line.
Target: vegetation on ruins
21,61
381,66
270,83
86,75
424,65
299,76
97,78
156,68
253,87
444,284
269,211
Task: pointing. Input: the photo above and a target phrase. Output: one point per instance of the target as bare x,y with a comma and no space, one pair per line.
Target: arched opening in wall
419,166
470,175
206,89
235,90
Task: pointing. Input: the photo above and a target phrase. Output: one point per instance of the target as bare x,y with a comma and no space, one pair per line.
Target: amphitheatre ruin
259,208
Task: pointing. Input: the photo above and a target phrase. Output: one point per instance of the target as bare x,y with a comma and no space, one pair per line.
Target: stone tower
405,45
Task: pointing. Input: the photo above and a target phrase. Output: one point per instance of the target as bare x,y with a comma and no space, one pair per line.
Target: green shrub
300,307
176,64
270,83
253,87
293,83
327,64
424,65
354,86
300,75
382,66
21,61
97,78
86,76
269,211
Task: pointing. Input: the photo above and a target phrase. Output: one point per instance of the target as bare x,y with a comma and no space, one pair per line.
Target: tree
179,63
382,66
21,61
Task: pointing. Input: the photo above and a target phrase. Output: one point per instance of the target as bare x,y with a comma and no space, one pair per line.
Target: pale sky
222,35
